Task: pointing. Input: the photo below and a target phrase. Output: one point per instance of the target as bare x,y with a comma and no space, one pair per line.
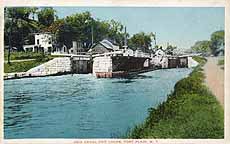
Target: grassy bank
23,55
191,111
23,66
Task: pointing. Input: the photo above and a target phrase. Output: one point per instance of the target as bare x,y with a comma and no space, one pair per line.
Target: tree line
210,46
22,22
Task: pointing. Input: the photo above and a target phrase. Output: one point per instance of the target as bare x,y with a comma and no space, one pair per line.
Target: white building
128,52
42,43
160,59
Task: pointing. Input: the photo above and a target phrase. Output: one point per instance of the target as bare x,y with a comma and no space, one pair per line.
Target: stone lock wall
102,64
54,66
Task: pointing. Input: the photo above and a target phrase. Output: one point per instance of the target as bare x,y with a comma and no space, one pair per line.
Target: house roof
109,45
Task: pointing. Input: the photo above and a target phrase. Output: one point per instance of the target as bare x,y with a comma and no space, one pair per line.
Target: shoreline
190,111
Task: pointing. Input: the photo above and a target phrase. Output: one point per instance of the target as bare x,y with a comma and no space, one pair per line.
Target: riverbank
214,77
22,66
23,61
191,111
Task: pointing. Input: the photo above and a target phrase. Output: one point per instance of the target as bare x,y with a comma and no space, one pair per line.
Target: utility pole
92,33
125,43
155,39
9,37
91,22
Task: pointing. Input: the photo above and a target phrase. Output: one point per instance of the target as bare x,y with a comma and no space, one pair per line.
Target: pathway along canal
81,106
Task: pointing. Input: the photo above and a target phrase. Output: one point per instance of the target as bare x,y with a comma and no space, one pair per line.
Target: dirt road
215,78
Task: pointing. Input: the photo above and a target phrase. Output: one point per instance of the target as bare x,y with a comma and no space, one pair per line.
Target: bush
191,111
221,62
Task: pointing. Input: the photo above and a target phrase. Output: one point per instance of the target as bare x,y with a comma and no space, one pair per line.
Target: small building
159,58
43,42
103,46
159,52
77,48
60,49
128,52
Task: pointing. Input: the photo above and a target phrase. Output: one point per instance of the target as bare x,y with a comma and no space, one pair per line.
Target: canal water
81,106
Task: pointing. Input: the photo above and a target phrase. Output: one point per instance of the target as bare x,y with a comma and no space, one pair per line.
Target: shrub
191,111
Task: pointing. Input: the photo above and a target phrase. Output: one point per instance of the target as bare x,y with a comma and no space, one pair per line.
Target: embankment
191,111
56,66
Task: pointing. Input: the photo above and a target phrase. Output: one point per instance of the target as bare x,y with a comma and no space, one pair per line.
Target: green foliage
221,62
46,16
210,46
217,39
141,40
191,111
18,13
170,49
23,55
200,60
202,46
18,26
23,66
77,27
115,32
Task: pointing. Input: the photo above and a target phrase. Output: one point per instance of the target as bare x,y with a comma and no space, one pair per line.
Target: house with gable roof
103,46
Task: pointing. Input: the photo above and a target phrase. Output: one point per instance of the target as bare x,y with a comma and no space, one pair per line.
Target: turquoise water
81,106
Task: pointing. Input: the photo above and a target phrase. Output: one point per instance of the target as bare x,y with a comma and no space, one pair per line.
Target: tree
33,10
76,27
141,40
116,33
170,49
101,30
46,16
79,27
18,25
202,46
217,40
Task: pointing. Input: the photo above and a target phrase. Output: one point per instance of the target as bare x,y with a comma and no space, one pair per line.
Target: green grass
23,66
23,55
200,60
221,62
191,111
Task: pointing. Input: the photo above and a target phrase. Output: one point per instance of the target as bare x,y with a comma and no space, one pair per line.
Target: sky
179,26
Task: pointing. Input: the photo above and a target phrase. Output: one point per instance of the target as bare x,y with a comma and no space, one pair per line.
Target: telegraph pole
125,44
10,36
92,33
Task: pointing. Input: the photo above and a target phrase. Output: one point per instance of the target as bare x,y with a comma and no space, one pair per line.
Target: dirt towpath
215,78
